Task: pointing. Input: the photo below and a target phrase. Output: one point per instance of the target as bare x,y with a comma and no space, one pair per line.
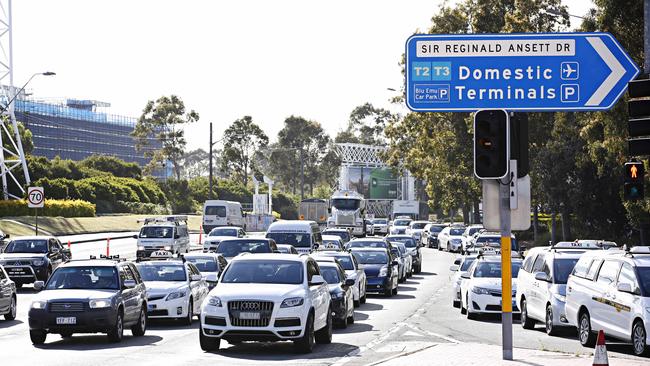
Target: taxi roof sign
584,244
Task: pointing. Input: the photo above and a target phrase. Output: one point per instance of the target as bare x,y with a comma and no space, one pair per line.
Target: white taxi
353,270
175,289
609,290
541,284
460,266
480,288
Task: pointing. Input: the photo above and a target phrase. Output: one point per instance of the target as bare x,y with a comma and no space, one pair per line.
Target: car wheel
208,344
418,268
395,291
550,328
66,334
456,303
463,310
586,336
357,303
140,328
351,317
362,299
639,347
37,336
324,335
190,313
388,292
11,315
306,343
116,333
526,322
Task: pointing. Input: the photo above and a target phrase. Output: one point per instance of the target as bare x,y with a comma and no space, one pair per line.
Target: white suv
541,284
268,297
609,290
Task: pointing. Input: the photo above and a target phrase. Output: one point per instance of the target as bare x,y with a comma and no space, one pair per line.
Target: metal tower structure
12,156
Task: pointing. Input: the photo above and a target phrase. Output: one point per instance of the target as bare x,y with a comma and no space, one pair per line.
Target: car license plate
66,320
249,316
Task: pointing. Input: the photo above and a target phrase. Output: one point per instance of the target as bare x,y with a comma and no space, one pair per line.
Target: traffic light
491,144
633,186
638,125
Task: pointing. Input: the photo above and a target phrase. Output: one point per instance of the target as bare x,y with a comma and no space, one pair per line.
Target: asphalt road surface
421,315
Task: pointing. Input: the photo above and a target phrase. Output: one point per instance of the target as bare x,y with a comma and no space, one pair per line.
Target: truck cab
347,211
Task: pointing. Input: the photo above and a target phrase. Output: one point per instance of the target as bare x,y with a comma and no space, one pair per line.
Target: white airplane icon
568,70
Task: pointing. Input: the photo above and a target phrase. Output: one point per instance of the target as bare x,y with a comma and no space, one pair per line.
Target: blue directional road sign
518,72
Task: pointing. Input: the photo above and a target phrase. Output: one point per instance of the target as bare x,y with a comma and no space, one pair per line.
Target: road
420,316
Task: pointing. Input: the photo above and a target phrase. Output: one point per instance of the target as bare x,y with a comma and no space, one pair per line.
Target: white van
222,213
303,235
165,233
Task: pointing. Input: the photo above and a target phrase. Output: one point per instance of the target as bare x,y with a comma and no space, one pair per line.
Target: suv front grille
66,307
263,308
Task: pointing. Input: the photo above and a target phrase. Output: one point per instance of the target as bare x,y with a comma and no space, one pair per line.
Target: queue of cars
585,286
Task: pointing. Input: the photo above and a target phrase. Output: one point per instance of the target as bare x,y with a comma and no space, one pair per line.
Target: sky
225,59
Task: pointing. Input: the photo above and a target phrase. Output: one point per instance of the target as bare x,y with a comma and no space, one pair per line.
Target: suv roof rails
176,219
115,257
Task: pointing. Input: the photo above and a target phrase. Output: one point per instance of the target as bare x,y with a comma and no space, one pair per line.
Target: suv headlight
480,291
175,295
168,247
383,272
39,304
38,262
99,303
292,301
140,247
214,301
338,295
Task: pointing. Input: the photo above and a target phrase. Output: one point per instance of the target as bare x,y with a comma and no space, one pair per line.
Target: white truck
406,208
347,211
313,209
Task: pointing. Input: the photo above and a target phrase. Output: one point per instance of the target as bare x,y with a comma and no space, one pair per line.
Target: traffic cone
68,244
200,233
108,247
600,355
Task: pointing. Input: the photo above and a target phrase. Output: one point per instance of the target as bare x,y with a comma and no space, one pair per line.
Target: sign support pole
36,217
506,268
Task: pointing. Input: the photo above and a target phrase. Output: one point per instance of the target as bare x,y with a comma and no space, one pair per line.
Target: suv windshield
371,257
27,246
156,232
341,234
84,278
223,231
231,248
330,274
345,261
466,263
419,225
380,222
456,231
204,264
492,241
401,222
408,242
367,244
162,271
345,204
275,272
435,229
562,268
493,269
644,280
219,211
298,240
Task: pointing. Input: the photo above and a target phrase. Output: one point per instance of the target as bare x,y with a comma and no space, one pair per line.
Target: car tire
418,269
639,346
550,328
395,291
11,315
208,344
388,292
190,313
357,303
456,303
306,343
526,321
66,335
586,336
324,335
37,336
140,328
351,318
463,310
362,299
116,332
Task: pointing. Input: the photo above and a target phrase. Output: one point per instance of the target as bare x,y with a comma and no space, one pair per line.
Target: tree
366,125
113,165
162,122
241,140
195,163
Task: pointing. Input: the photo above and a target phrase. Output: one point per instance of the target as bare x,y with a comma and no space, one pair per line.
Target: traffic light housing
633,188
491,144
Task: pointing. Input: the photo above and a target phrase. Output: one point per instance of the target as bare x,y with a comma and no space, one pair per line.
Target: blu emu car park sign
517,72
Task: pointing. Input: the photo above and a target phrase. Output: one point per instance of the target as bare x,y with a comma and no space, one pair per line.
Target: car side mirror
176,236
39,285
315,246
624,287
454,268
541,276
195,277
395,263
129,284
316,280
457,261
55,250
135,236
349,282
465,275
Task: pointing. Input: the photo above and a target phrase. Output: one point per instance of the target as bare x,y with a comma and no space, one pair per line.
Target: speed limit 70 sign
35,197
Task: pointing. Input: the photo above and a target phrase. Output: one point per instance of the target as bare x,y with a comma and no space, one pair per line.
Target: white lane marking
446,338
375,342
401,355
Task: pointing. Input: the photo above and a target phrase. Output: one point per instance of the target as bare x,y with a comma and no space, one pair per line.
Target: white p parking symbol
570,93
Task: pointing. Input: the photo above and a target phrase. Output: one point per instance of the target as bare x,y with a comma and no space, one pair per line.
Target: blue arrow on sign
518,72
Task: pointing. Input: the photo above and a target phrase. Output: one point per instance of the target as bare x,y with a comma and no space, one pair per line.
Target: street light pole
302,176
210,159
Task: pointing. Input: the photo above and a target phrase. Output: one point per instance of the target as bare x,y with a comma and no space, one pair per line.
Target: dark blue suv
381,269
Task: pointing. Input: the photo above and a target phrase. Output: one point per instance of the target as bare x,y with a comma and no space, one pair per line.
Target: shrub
65,208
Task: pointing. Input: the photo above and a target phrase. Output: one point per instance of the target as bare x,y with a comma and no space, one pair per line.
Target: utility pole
302,176
646,36
210,162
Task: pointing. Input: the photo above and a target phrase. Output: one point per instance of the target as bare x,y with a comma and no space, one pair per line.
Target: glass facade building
75,130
